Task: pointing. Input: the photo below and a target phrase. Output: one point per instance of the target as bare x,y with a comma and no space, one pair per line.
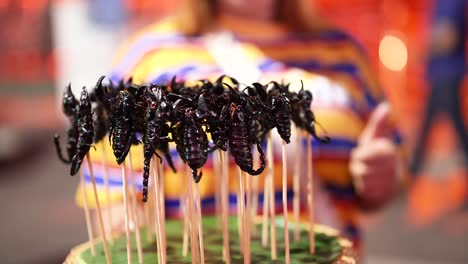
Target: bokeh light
393,53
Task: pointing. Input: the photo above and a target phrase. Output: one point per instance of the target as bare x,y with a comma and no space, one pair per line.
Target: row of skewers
235,117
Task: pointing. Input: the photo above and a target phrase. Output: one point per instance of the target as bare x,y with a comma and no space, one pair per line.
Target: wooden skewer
107,188
199,222
89,226
162,199
192,225
241,201
184,207
133,198
272,206
248,213
127,224
265,211
296,184
101,223
186,227
256,162
148,223
285,205
157,214
310,202
240,218
217,179
225,204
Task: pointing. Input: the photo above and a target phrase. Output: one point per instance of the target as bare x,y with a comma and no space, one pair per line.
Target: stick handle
296,184
134,212
285,205
271,183
89,226
192,225
199,222
225,204
101,223
310,201
108,196
157,211
127,225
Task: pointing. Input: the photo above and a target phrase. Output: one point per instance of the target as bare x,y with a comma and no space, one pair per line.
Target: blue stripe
163,78
340,192
336,143
207,201
330,36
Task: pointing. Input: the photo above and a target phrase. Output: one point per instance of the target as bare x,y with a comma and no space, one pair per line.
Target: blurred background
46,44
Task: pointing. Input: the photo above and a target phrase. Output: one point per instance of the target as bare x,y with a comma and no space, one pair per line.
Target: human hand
375,164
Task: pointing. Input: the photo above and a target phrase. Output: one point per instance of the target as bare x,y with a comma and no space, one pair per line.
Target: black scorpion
69,108
85,131
191,140
156,132
121,131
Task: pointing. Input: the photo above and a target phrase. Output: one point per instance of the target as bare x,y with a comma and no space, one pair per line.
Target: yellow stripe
97,156
333,172
160,27
339,123
116,195
170,57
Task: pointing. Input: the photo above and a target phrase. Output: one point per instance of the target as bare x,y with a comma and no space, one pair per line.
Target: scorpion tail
75,165
145,179
196,177
262,162
59,150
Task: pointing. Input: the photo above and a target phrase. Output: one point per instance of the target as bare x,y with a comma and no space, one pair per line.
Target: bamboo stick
192,224
310,202
285,205
225,205
134,214
107,190
101,223
127,227
157,214
89,226
272,206
296,184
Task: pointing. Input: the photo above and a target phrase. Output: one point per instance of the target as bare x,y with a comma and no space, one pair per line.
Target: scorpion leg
169,161
313,132
59,150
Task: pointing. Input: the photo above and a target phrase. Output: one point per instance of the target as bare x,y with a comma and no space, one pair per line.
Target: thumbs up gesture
375,163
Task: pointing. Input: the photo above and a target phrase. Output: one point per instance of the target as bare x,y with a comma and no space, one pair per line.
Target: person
446,68
283,41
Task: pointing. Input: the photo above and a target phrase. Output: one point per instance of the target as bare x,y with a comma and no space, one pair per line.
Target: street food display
222,120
